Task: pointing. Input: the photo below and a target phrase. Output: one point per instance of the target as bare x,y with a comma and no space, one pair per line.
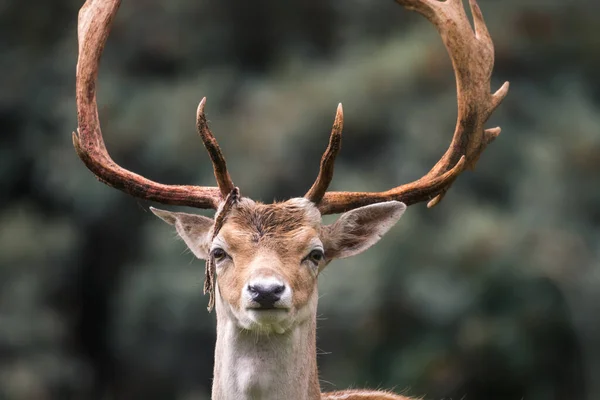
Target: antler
318,189
95,20
472,55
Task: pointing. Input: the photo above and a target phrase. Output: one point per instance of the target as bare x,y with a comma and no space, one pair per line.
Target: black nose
266,295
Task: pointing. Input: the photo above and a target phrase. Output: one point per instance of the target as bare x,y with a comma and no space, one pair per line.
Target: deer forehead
286,229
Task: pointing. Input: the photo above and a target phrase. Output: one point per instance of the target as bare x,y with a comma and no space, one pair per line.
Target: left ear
357,230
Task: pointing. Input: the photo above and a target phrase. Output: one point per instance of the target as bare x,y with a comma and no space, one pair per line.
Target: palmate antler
472,55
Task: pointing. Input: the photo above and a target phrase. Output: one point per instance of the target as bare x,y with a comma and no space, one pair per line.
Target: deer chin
271,321
268,321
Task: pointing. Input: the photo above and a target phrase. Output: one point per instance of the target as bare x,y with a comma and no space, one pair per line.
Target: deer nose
266,294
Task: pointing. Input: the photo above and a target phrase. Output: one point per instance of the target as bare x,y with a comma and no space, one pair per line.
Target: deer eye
218,254
316,256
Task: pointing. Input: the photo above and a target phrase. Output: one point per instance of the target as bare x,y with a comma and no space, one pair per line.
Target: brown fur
362,395
269,239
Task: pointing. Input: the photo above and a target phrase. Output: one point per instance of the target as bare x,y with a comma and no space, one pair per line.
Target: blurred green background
494,294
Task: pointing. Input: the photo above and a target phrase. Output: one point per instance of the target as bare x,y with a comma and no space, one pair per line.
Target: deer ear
194,229
357,230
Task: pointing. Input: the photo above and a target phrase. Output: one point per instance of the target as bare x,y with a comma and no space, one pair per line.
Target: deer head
266,257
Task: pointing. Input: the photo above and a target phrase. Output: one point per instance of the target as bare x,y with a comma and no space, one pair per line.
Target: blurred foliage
494,294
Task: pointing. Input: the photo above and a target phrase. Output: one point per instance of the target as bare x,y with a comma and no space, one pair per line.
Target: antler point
434,202
491,134
76,140
500,94
339,118
201,106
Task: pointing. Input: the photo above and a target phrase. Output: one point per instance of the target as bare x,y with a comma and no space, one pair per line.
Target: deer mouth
268,309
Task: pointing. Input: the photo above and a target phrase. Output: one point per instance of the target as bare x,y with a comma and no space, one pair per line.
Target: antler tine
472,54
95,20
318,189
214,151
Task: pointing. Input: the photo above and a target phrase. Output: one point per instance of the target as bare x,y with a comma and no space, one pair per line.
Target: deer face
268,256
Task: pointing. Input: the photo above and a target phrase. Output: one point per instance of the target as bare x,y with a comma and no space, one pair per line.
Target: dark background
494,294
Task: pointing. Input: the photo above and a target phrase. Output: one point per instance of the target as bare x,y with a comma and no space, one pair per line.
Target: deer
263,260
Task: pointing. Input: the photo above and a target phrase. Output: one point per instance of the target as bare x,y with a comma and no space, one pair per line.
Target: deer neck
265,367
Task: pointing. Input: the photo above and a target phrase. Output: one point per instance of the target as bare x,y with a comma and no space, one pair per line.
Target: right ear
195,230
